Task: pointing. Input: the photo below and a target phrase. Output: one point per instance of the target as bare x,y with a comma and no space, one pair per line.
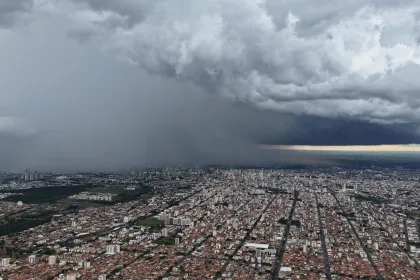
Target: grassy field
150,222
371,199
165,241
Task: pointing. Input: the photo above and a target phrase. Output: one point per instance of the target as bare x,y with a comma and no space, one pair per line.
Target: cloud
356,60
324,74
15,127
10,9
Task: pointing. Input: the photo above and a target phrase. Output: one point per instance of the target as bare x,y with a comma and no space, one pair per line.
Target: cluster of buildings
8,207
31,176
93,196
233,224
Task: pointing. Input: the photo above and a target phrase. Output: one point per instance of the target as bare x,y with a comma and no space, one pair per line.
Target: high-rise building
102,277
71,277
167,220
177,241
5,262
52,260
32,259
110,250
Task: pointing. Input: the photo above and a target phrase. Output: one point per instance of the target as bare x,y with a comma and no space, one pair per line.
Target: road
223,269
281,249
180,260
369,256
383,229
324,245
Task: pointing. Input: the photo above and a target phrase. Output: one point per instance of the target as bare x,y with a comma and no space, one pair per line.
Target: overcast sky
110,84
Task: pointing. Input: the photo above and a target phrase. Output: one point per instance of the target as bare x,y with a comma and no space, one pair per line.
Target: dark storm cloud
334,59
355,59
328,73
326,132
9,9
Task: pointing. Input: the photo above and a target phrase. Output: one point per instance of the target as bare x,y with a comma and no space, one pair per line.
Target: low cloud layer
12,10
15,127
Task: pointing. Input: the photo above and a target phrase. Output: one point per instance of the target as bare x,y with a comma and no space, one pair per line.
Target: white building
102,277
112,249
256,246
52,260
71,277
32,259
5,262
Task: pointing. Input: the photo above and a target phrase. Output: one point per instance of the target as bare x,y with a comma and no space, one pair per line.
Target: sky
351,148
119,84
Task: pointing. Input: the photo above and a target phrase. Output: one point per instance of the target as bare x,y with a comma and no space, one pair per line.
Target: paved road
324,245
372,263
383,229
223,269
180,260
407,241
281,249
110,229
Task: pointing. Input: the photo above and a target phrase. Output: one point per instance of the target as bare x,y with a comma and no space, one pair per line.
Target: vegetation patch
371,199
165,241
150,222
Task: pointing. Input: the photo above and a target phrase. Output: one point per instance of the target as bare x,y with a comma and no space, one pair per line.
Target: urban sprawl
212,224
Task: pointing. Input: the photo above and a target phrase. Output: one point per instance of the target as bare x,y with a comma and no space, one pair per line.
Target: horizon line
353,148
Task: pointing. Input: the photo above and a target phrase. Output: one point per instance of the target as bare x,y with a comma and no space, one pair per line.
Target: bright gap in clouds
362,148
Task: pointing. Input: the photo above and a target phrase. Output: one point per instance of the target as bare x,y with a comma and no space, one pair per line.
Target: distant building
167,220
112,249
71,277
52,260
5,262
19,203
31,176
32,259
256,246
